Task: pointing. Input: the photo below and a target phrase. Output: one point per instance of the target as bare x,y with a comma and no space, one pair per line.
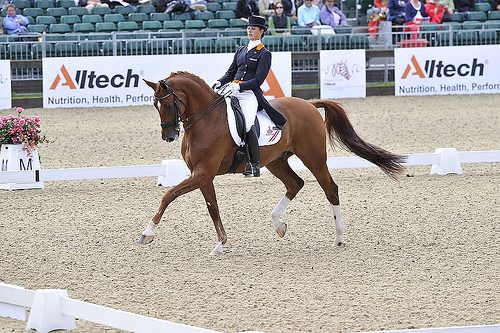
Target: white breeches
249,105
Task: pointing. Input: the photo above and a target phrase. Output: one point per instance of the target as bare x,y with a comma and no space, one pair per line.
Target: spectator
289,8
379,9
495,5
397,11
308,14
95,3
279,23
437,11
415,11
465,6
14,24
266,8
246,8
331,15
449,4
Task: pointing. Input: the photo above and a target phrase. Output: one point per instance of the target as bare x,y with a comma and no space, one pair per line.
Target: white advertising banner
447,70
5,85
343,74
117,81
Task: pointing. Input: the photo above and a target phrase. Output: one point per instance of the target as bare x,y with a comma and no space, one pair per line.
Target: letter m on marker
69,82
418,71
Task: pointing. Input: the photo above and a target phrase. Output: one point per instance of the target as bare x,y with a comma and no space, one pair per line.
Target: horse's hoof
340,244
282,230
217,251
145,239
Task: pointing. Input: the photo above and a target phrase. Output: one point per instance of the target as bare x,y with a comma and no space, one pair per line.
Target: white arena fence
172,172
52,309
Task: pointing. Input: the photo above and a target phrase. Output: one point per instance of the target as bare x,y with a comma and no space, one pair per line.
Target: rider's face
254,32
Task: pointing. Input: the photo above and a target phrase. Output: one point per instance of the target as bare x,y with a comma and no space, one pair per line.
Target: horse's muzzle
169,135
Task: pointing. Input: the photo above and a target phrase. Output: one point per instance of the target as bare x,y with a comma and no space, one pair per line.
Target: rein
178,117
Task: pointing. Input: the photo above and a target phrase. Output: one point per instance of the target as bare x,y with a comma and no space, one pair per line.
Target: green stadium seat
92,18
100,36
204,46
229,6
218,24
105,27
195,24
483,7
457,17
316,43
235,32
204,16
100,11
57,12
181,17
209,32
226,45
148,9
225,14
30,19
89,49
337,42
358,42
34,12
124,10
169,33
213,7
175,24
40,28
44,4
237,23
192,33
494,15
178,44
68,49
3,52
152,26
59,28
80,11
21,4
159,17
135,47
83,28
70,19
114,18
47,20
273,43
160,46
127,26
293,43
65,3
477,16
342,30
296,30
37,50
138,18
19,51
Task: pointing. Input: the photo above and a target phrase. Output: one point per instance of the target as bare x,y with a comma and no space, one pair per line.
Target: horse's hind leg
293,183
208,192
319,169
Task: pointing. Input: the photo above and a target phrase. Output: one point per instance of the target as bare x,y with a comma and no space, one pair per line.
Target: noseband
178,117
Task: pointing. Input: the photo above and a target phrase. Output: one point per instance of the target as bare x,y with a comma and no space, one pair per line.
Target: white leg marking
217,250
280,226
339,225
149,229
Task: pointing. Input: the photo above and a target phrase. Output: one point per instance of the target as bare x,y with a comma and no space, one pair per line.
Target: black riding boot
253,150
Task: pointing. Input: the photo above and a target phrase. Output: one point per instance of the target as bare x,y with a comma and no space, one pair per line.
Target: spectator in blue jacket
14,24
397,11
331,15
308,14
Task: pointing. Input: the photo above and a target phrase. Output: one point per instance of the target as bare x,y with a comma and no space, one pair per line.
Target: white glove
234,87
216,85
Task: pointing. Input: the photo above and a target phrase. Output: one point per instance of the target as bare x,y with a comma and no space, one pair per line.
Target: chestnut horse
209,150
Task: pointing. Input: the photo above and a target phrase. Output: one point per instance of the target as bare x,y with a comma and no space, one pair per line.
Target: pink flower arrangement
25,131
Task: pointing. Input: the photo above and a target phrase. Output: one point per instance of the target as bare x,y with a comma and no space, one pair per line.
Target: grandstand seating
204,46
92,18
337,42
57,12
89,49
3,52
494,15
225,14
273,43
100,10
19,51
21,4
226,45
235,32
237,23
84,27
128,26
47,20
125,10
114,18
66,49
174,24
195,24
80,11
70,19
105,27
218,24
40,28
59,28
138,18
152,25
159,17
293,43
33,12
65,3
148,9
477,16
213,7
483,7
44,4
204,16
229,6
181,17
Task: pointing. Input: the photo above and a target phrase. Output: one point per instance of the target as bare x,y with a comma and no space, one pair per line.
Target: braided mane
193,77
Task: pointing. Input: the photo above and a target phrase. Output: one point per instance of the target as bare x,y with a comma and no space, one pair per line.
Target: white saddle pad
269,134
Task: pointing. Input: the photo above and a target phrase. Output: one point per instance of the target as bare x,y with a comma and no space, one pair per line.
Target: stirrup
252,171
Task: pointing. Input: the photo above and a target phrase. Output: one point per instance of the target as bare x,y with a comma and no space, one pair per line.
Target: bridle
178,117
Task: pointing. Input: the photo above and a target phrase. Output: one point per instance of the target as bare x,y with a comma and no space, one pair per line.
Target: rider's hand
216,85
234,87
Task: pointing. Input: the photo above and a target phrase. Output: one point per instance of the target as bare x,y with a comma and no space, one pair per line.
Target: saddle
236,122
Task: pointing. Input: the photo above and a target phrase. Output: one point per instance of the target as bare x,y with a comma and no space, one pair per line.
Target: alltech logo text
432,73
92,82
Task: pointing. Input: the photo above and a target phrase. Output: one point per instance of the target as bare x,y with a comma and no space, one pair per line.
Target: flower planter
13,158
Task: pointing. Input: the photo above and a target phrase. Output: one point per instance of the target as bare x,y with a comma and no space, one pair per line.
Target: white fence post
449,163
175,172
46,312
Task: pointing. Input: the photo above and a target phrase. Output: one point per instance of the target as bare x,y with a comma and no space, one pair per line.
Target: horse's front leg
208,192
196,180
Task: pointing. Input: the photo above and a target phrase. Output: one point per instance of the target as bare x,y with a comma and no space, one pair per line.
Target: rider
247,72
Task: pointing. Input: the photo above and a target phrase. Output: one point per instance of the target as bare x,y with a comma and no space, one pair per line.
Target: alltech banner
447,70
117,81
5,85
343,74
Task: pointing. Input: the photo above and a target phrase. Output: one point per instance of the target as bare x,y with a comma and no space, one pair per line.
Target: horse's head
168,105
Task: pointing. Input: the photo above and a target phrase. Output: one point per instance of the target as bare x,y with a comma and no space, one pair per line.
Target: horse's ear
151,84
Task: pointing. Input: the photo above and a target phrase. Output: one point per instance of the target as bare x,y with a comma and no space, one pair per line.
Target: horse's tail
340,129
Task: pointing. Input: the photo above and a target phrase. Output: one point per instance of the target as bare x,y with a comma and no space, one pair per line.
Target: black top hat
257,21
